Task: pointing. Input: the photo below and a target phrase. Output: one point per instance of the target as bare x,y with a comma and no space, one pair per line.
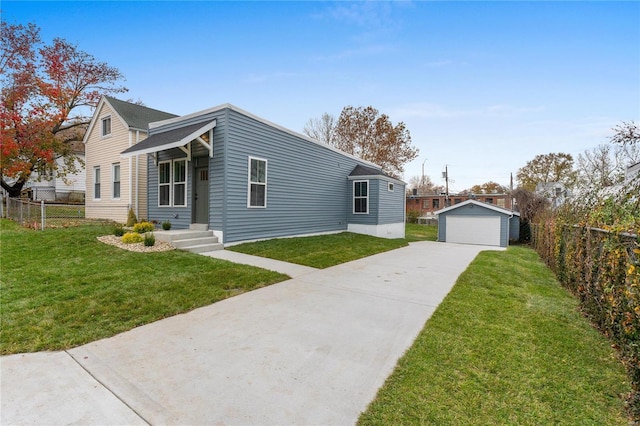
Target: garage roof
480,204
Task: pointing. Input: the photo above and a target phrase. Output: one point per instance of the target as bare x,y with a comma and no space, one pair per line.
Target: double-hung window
106,126
257,191
180,183
96,183
164,183
361,197
115,170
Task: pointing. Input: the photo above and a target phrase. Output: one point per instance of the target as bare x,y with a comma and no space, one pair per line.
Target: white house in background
632,171
71,188
114,184
555,192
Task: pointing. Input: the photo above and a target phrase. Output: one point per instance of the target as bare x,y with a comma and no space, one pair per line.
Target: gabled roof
361,171
170,139
137,116
480,204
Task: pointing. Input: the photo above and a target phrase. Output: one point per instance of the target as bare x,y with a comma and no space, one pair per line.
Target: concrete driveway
311,350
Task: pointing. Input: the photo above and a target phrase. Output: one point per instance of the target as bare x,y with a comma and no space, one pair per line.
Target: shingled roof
137,116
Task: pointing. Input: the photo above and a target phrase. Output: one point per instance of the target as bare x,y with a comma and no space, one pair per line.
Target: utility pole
422,179
446,186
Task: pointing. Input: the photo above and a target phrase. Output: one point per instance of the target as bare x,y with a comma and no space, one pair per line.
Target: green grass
320,251
507,346
417,232
324,251
61,288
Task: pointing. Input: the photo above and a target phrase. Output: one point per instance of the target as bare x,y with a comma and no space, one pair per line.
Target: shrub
412,216
166,225
132,238
118,231
143,227
149,239
131,218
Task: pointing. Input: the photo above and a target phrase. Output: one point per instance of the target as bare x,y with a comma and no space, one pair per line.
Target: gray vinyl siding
514,228
370,218
161,214
475,211
391,203
306,183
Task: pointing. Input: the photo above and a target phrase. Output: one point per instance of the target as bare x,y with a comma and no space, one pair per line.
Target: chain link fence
41,215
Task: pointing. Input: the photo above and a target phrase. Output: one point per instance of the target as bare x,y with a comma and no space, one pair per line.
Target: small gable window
389,187
257,190
361,197
106,126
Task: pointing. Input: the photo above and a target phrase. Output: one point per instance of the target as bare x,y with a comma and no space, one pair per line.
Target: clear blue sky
483,87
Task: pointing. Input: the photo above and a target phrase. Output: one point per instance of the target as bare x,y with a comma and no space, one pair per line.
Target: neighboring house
113,185
555,192
50,187
246,178
474,222
427,205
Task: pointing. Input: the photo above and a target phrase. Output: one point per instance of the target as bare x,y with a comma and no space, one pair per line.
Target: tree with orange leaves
46,97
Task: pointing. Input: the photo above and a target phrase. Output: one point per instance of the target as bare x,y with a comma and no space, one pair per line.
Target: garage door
484,230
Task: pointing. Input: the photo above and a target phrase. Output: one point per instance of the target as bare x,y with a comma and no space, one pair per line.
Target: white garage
475,222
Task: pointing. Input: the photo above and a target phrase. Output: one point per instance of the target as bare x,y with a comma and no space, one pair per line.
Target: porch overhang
177,138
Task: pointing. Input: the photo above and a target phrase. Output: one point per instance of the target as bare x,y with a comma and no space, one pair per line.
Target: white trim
102,121
386,230
165,184
390,187
113,181
174,183
250,182
353,193
313,234
379,177
174,120
177,144
480,204
97,181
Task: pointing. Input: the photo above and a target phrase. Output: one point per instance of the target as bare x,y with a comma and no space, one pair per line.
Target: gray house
246,178
475,222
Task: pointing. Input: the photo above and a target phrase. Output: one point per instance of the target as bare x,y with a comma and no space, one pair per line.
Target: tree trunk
14,190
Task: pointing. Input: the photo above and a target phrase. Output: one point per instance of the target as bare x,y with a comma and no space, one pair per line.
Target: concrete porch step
193,240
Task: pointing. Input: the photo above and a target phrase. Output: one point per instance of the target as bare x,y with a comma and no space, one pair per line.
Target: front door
201,194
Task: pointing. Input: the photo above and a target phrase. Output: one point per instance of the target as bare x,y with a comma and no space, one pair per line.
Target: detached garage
474,222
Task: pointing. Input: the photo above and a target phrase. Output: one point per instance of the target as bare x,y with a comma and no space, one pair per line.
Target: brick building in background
427,204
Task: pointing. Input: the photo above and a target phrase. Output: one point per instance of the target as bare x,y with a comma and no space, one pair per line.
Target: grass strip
507,346
320,251
62,288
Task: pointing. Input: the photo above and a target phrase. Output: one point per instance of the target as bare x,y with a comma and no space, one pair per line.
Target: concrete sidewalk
310,350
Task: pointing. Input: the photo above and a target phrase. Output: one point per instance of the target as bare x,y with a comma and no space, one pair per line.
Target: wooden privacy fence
602,268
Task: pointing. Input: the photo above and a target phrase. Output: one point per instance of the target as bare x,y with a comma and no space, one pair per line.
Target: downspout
138,177
130,177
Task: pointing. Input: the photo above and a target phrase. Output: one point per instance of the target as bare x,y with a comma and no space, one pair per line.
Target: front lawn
61,288
506,346
321,251
416,232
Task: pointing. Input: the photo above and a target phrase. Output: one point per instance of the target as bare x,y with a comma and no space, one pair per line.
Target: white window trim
249,182
390,186
113,181
169,184
366,197
174,183
102,120
96,181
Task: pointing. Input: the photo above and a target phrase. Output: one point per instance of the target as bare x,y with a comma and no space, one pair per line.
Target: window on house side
164,183
436,203
489,200
361,197
180,182
116,180
96,183
106,126
389,187
257,182
425,204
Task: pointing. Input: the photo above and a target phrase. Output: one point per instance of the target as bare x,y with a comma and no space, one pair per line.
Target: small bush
143,227
149,239
412,216
131,218
132,238
118,231
166,225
